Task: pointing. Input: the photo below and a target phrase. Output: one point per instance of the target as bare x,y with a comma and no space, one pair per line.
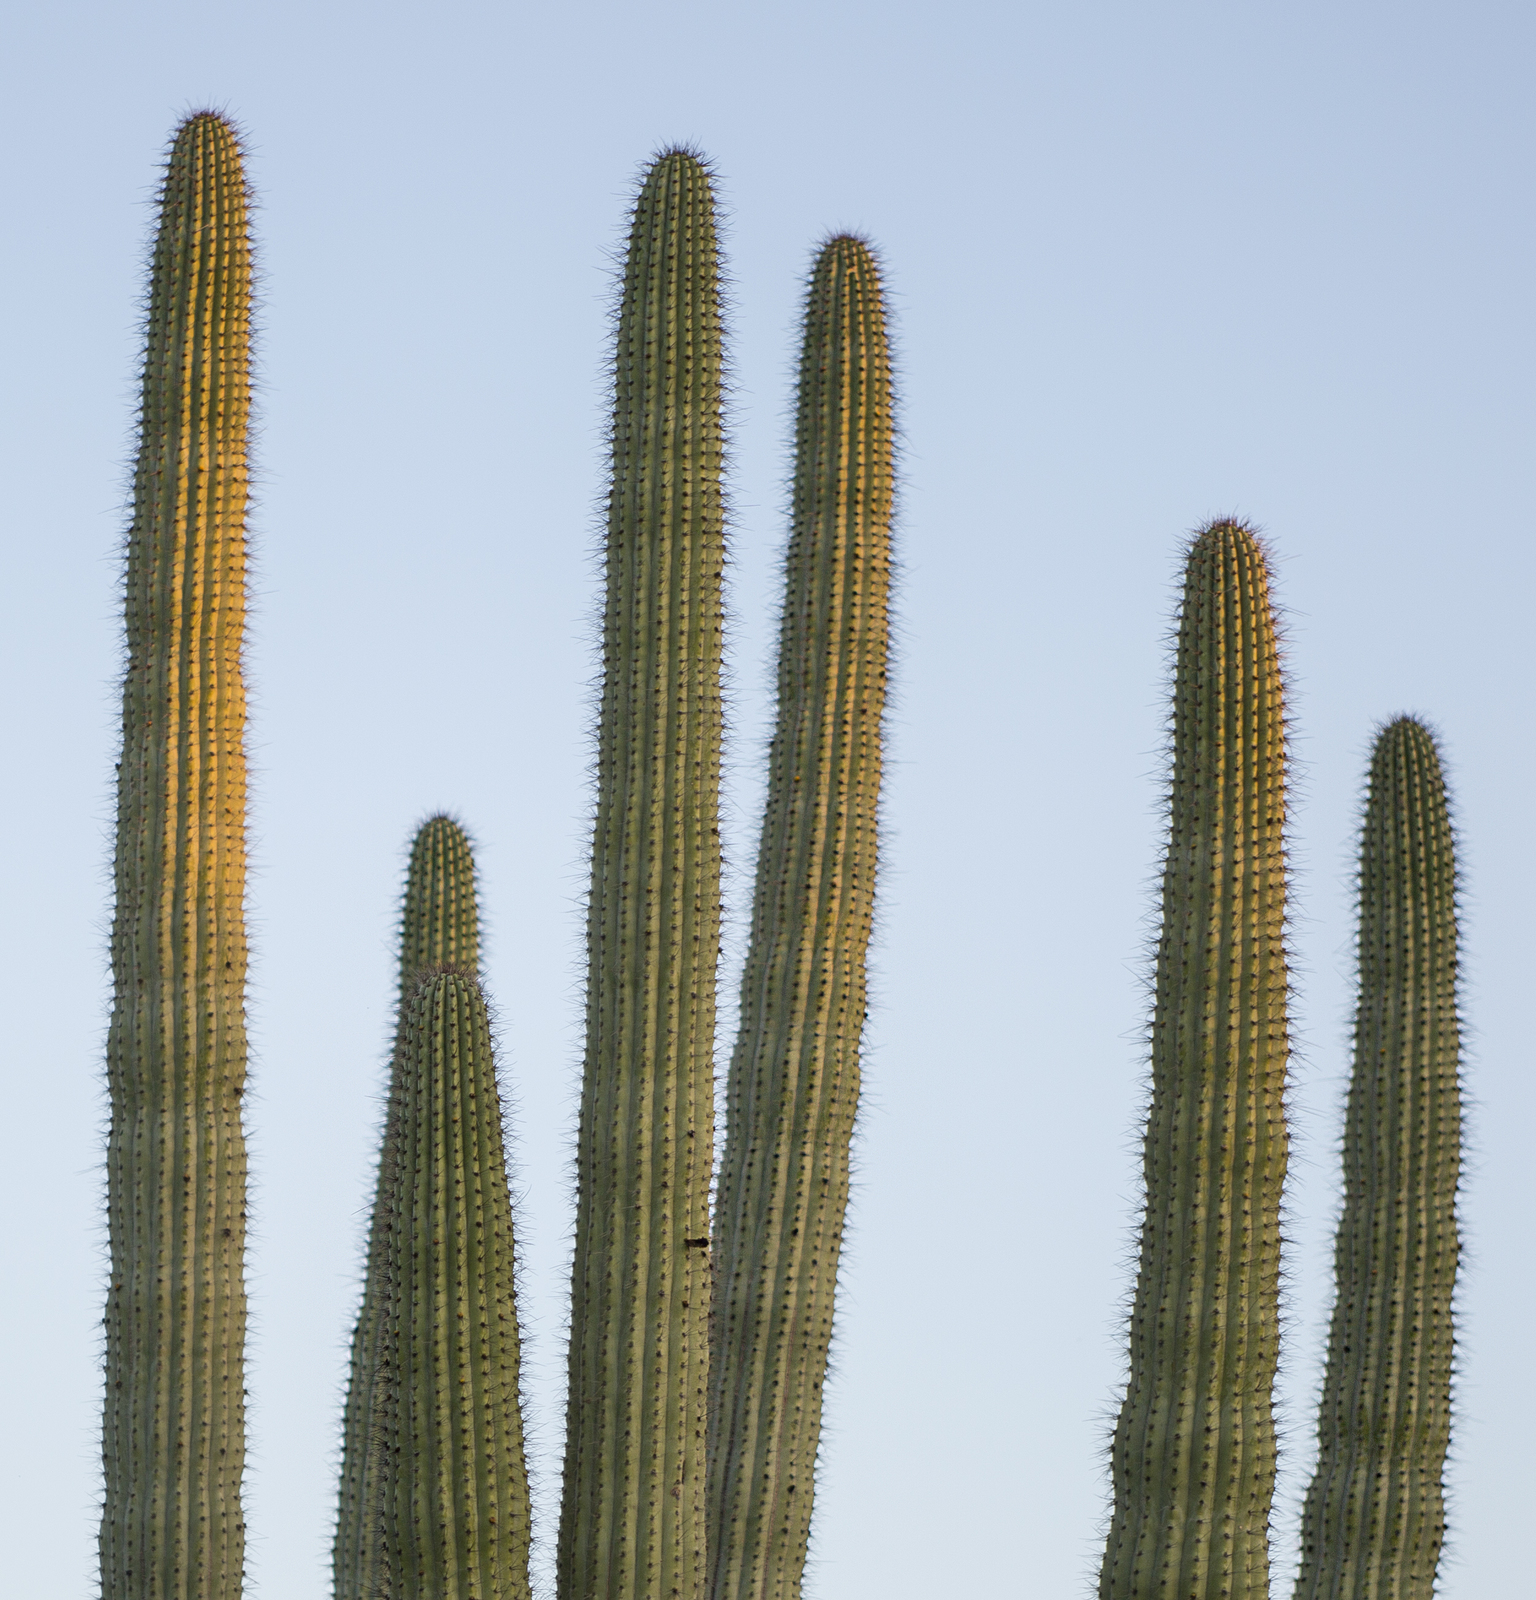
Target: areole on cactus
173,1429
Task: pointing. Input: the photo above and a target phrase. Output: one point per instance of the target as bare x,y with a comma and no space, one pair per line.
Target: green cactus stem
439,926
794,1082
173,1427
447,1477
1193,1455
632,1523
1374,1518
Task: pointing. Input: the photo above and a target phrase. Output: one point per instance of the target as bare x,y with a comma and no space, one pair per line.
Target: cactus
445,1436
1374,1516
173,1426
632,1522
794,1081
1193,1454
439,926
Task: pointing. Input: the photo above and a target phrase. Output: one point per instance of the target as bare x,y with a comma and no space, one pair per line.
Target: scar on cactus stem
794,1082
1373,1523
632,1523
1193,1456
173,1423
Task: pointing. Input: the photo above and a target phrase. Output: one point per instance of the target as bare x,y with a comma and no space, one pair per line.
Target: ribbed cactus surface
1194,1449
1374,1518
632,1524
794,1082
439,926
173,1430
447,1481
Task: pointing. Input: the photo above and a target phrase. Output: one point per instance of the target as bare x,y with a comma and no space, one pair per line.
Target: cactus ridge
1193,1453
632,1523
1373,1521
794,1080
173,1425
439,927
446,1472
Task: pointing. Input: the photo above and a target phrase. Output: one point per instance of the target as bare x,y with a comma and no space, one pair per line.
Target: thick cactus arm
794,1083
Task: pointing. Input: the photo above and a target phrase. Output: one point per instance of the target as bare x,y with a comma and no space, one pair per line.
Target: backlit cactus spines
173,1429
448,1483
1194,1450
632,1523
1374,1517
794,1082
439,926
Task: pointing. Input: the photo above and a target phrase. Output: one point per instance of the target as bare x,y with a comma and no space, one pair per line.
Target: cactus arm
448,1478
1374,1517
1193,1454
632,1523
439,925
794,1081
173,1427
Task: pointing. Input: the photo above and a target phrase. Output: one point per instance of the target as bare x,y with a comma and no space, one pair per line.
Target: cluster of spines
633,1513
173,1435
1374,1517
1193,1454
794,1081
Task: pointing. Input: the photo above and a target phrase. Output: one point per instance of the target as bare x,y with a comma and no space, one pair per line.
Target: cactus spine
632,1523
1194,1449
1374,1517
794,1081
439,926
173,1427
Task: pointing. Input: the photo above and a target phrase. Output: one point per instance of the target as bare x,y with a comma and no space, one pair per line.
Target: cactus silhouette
1193,1454
173,1426
794,1081
632,1522
1374,1517
439,926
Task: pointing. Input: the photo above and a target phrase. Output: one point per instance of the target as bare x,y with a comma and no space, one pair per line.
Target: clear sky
1149,263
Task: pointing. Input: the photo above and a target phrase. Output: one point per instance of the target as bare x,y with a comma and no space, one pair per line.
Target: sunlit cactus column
439,926
173,1429
794,1083
632,1523
1374,1519
1194,1449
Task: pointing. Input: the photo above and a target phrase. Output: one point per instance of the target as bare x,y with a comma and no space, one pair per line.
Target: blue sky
1149,264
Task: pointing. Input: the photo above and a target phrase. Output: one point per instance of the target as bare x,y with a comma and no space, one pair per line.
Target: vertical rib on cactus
173,1428
794,1082
1374,1516
1194,1450
632,1523
439,926
447,1477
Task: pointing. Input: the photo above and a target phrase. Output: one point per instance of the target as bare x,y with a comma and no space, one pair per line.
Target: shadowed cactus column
173,1428
1194,1450
632,1522
439,926
794,1082
446,1481
1374,1517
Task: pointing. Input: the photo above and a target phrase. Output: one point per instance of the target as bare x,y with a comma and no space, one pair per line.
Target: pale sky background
1149,263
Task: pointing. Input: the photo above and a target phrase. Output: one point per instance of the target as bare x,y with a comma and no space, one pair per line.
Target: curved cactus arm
173,1429
1193,1455
794,1082
632,1522
439,925
1373,1522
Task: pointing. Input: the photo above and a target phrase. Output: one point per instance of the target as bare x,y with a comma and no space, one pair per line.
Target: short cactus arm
173,1430
1374,1518
794,1083
1193,1455
632,1522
